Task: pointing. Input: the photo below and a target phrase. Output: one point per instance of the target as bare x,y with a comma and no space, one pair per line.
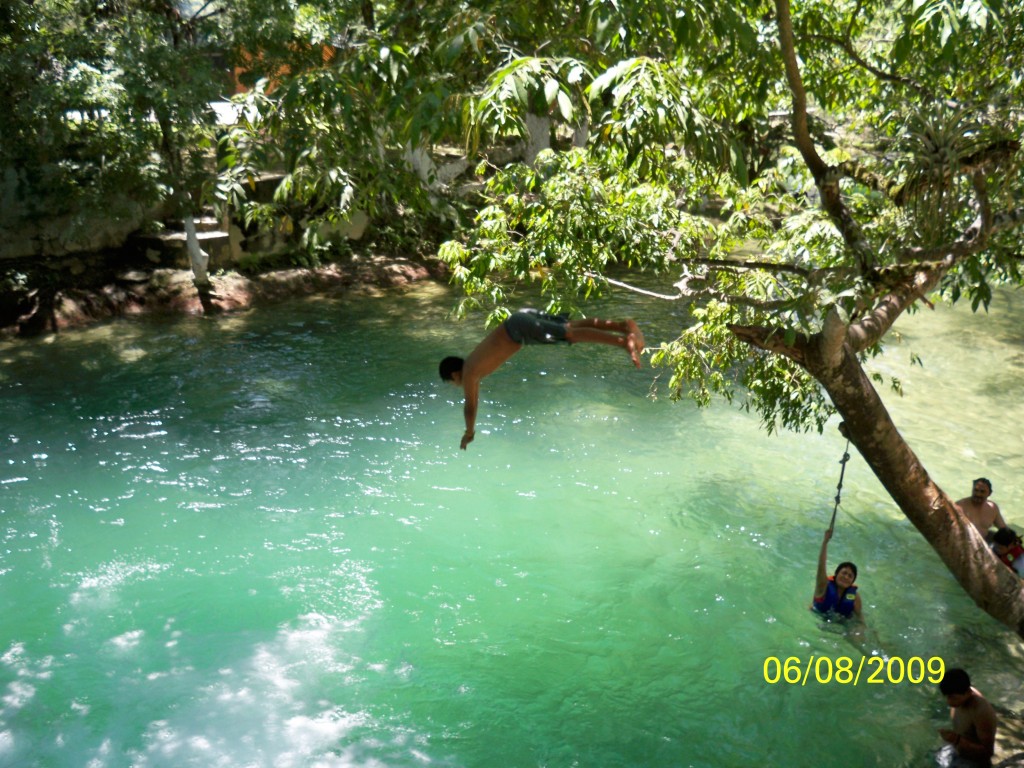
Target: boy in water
972,739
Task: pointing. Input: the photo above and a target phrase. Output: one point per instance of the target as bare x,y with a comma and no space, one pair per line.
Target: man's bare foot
637,334
631,348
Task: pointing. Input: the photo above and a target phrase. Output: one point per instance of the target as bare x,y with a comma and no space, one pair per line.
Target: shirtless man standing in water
972,739
529,326
980,511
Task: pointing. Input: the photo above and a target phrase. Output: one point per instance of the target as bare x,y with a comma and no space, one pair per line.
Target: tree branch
993,154
210,15
826,178
801,133
765,266
876,323
932,264
199,15
845,45
685,292
972,240
633,288
771,340
832,338
874,181
739,300
929,266
899,192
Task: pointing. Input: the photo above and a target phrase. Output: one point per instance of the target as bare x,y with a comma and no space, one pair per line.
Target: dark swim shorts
530,326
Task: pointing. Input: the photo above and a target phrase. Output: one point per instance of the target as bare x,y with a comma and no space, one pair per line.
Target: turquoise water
252,541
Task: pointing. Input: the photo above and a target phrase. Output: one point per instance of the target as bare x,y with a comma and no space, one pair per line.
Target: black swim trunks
531,326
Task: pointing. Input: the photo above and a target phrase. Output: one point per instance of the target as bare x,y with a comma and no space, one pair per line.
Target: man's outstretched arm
472,390
821,574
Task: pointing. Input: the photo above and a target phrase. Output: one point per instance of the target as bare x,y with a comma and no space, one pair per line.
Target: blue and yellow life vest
830,600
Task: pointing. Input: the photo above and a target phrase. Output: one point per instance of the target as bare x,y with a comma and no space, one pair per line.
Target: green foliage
784,395
704,356
945,20
636,104
936,144
93,87
563,223
651,102
686,109
687,112
530,85
660,29
327,132
708,361
63,131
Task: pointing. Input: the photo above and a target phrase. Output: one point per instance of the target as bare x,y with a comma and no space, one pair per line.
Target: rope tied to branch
839,487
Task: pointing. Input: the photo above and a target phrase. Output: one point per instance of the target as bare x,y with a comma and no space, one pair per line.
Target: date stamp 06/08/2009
870,670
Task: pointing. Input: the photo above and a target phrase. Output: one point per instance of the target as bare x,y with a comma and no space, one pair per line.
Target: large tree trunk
994,587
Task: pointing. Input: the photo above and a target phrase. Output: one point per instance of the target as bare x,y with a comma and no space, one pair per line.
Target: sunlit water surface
252,541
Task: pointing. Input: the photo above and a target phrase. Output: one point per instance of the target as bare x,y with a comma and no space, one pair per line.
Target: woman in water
836,594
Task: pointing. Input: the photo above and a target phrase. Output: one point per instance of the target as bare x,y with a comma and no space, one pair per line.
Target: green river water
251,540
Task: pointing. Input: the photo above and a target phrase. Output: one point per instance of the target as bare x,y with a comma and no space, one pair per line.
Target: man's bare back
489,354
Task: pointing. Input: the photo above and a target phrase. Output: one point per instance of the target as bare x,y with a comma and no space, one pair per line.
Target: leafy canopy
910,153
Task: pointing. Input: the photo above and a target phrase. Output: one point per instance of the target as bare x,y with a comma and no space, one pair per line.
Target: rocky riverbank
161,290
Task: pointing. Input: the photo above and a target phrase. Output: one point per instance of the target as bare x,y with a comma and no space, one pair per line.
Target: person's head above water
981,488
450,365
846,566
1005,537
955,682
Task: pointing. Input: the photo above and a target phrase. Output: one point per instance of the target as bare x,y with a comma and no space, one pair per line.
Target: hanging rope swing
839,487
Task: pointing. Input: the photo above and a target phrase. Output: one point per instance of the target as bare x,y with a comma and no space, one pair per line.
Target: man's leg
593,330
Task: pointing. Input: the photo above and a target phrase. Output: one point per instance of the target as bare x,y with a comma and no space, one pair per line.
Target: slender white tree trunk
199,259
